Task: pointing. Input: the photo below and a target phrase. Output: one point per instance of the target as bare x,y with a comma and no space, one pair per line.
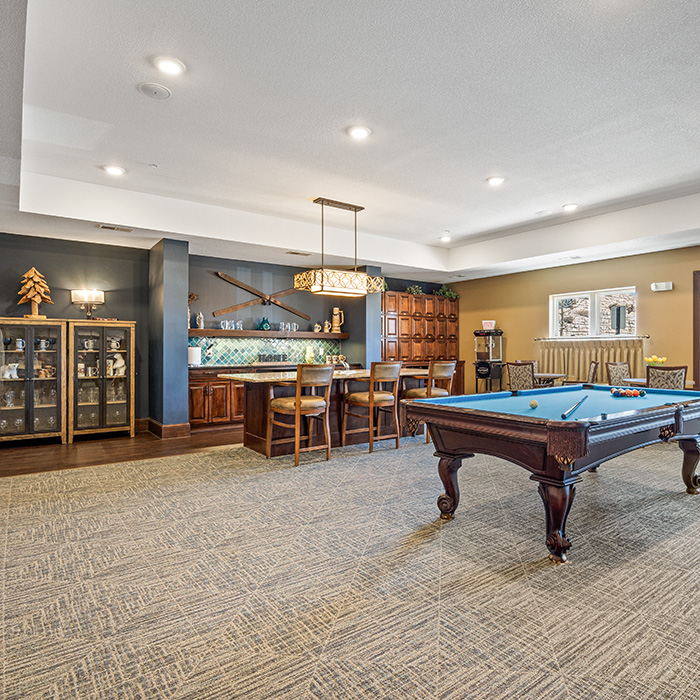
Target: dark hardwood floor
44,455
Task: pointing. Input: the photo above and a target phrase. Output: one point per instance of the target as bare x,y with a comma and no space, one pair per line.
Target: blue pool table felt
554,401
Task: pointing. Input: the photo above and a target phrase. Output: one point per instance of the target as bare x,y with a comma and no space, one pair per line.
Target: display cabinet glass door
102,377
30,387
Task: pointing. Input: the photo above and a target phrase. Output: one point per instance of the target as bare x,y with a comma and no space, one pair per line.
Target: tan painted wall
520,303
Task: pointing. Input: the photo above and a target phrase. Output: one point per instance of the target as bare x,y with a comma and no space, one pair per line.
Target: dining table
548,378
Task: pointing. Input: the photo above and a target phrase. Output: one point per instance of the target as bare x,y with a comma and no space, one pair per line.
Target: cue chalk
566,414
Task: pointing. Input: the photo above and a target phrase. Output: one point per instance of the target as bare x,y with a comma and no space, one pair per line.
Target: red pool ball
635,392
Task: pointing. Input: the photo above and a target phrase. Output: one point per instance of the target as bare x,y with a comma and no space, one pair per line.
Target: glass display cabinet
101,387
32,379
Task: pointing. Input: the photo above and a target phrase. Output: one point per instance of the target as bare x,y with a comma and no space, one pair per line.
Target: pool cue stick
566,414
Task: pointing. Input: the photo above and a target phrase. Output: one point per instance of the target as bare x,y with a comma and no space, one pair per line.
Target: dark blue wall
121,272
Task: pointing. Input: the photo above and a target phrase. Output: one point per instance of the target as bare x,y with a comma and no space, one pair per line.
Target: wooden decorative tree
35,290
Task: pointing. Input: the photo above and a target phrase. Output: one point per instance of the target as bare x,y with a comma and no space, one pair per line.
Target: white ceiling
593,102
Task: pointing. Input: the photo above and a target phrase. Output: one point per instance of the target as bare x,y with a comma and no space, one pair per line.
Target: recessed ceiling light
543,212
114,169
168,65
495,181
359,132
570,207
446,238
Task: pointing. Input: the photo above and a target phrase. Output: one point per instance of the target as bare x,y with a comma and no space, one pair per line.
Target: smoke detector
154,90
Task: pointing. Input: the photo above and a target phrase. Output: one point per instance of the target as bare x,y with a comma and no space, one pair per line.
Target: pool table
553,449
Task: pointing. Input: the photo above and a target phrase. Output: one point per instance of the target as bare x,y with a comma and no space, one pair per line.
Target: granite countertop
267,377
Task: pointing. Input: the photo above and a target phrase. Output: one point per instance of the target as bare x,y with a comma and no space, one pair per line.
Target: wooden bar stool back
382,396
441,371
305,403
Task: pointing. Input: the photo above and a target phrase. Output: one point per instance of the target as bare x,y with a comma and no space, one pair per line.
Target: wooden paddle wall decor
265,299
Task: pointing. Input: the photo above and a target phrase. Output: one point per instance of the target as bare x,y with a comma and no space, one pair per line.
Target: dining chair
305,403
617,372
438,371
666,377
381,397
521,375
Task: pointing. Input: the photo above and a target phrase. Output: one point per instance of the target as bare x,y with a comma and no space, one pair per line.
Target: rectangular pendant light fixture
340,283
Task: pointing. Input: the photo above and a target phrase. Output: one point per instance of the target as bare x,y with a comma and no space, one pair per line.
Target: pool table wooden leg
691,454
448,501
557,504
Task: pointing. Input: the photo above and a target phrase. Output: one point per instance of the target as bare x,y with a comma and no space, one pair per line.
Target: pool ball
616,392
642,392
533,404
635,392
628,392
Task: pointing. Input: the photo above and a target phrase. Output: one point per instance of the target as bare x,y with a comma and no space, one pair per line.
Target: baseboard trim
164,432
141,425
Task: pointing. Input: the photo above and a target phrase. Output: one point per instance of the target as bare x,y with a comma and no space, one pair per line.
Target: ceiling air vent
115,228
296,252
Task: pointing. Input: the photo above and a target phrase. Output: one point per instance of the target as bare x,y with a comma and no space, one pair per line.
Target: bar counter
257,391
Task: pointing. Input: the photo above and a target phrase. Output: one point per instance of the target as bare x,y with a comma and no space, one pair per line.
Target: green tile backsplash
245,351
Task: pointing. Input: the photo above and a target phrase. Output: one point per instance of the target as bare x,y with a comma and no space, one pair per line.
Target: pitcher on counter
338,319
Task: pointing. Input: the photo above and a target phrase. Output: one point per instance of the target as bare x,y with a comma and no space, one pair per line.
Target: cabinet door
88,343
430,349
441,349
391,349
452,308
198,394
116,370
418,349
405,304
430,328
404,349
390,301
440,307
219,402
452,328
405,326
417,305
429,305
418,327
237,401
452,349
45,397
441,328
391,326
14,379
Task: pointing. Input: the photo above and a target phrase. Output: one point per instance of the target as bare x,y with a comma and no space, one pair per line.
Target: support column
168,281
363,321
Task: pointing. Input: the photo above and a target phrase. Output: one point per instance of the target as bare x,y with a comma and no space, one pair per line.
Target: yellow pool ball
533,404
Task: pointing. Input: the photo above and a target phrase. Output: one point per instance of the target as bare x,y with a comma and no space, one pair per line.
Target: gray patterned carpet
222,575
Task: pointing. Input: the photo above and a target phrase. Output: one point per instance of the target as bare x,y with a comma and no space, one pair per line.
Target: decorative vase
200,320
264,324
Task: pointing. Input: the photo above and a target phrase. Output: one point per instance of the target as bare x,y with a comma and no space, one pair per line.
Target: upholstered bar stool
382,396
302,405
617,372
666,377
441,371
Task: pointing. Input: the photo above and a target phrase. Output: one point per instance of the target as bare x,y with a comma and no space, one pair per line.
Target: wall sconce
87,298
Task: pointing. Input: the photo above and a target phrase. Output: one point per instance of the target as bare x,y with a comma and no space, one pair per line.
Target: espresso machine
488,345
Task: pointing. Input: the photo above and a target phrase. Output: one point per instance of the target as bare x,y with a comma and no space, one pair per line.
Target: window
594,313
